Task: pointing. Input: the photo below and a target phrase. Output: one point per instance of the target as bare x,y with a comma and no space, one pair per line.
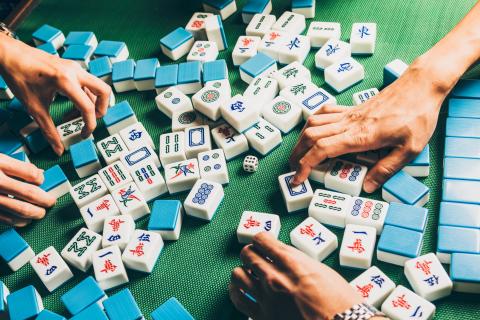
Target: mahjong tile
142,251
118,230
196,25
314,239
115,175
245,48
290,22
293,48
230,140
137,156
181,176
203,51
344,74
296,198
263,137
357,247
373,285
149,180
346,177
240,113
204,199
108,268
131,201
172,147
363,38
78,252
321,32
270,43
260,25
111,148
329,207
367,212
197,139
319,172
95,213
213,166
364,96
172,100
136,136
51,268
211,97
291,74
88,190
252,223
405,304
182,120
282,113
332,51
71,132
261,90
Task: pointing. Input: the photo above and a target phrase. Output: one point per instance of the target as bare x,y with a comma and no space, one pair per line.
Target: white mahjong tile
314,239
270,43
95,213
88,190
131,201
173,100
358,244
211,97
115,175
213,166
263,137
332,51
291,74
321,32
111,148
172,147
290,22
282,113
373,285
197,139
108,268
344,74
230,140
405,304
346,177
428,278
135,157
329,207
240,113
51,268
363,96
71,132
149,180
204,199
296,198
118,230
293,48
320,171
78,252
260,25
142,251
136,136
261,90
185,119
181,176
203,51
252,223
245,48
363,38
367,212
196,25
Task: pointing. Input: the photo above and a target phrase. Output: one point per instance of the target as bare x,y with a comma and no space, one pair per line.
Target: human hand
29,201
287,284
35,77
402,118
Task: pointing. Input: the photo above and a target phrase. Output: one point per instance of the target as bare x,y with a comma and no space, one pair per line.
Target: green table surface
196,268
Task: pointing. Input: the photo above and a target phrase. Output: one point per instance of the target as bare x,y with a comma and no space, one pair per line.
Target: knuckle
309,135
310,121
244,252
354,116
386,170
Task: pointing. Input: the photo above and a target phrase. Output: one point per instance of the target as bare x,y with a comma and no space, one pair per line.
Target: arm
402,117
35,77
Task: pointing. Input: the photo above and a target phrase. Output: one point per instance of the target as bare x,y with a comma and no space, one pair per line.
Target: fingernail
370,186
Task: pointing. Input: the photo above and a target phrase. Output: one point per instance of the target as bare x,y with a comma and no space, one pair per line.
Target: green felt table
196,268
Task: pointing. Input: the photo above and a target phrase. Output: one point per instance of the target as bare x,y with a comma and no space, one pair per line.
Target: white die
197,139
196,25
117,231
245,48
291,74
329,207
321,32
71,132
186,119
283,114
181,176
88,190
296,198
260,24
293,48
363,38
203,51
344,74
204,199
373,286
332,51
252,223
111,148
149,180
131,201
136,136
261,90
290,22
314,239
367,212
364,96
95,213
213,166
358,244
263,137
142,251
345,177
230,140
405,304
211,97
172,147
173,100
427,277
250,164
108,268
115,175
138,156
51,269
270,43
240,113
320,171
78,252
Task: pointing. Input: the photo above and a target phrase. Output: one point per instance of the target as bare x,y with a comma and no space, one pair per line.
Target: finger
332,108
22,170
83,103
385,168
242,280
13,221
266,245
242,303
45,122
27,192
100,89
329,147
89,93
323,119
21,209
255,262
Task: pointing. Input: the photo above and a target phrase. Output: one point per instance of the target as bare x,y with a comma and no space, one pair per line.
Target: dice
250,164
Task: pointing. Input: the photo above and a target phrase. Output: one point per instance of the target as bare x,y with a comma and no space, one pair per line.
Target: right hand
28,202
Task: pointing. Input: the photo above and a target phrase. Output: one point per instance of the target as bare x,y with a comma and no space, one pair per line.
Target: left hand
287,284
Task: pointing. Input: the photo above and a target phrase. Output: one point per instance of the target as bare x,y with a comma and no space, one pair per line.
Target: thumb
386,168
